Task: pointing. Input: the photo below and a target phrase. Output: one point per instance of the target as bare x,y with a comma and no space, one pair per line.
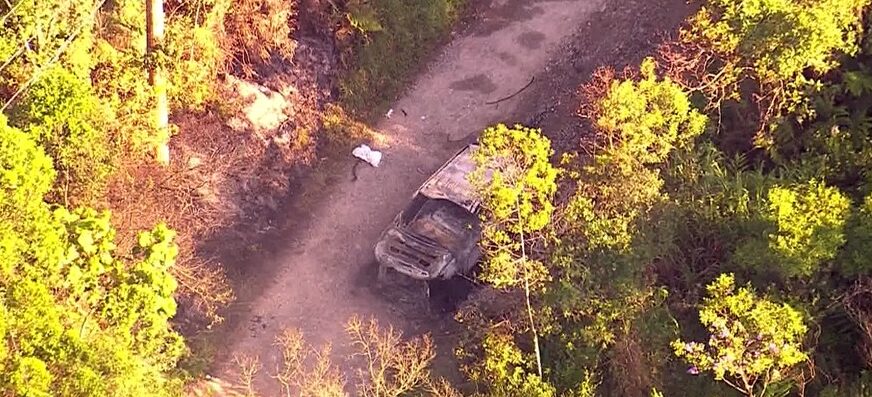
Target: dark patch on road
479,82
512,11
530,40
508,58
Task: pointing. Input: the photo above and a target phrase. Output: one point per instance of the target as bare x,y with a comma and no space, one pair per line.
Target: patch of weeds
341,130
200,356
390,40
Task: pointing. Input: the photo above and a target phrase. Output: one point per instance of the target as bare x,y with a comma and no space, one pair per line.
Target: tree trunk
154,15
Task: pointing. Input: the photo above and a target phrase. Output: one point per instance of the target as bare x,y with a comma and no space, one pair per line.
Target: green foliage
505,373
391,38
63,114
856,257
779,39
74,77
516,200
610,199
835,143
193,52
805,229
26,175
753,341
37,32
610,230
648,118
781,45
75,317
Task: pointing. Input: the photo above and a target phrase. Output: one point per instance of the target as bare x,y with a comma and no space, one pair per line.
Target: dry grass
248,369
341,130
393,367
320,379
259,31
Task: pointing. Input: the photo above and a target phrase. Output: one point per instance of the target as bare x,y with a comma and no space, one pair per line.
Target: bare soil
318,270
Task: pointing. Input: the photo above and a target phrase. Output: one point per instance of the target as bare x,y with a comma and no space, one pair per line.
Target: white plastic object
365,153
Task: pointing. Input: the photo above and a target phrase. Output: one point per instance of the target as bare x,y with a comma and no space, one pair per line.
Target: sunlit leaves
647,118
753,341
779,39
517,200
804,228
77,317
504,371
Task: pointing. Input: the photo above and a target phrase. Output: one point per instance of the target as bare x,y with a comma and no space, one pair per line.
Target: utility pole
154,25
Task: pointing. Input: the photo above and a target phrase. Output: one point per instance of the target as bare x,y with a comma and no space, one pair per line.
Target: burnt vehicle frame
436,237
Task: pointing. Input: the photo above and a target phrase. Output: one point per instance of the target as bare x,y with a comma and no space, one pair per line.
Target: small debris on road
365,153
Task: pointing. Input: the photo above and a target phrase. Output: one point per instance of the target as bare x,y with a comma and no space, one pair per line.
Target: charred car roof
450,182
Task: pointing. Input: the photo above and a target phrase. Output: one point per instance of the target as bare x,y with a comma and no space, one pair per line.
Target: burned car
437,235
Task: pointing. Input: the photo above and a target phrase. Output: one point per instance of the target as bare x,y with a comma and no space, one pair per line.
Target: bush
63,114
26,176
754,341
505,371
645,119
805,228
856,258
76,319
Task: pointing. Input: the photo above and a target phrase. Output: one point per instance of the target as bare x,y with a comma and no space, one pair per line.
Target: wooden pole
154,15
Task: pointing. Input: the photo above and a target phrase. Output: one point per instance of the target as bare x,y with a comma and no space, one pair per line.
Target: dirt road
324,275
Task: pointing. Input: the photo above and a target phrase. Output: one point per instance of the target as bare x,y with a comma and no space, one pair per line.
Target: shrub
753,341
76,318
856,257
26,176
505,373
645,119
805,227
63,114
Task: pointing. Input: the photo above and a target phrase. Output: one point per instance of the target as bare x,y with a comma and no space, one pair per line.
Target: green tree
804,227
609,231
76,317
776,40
781,45
753,341
645,118
517,183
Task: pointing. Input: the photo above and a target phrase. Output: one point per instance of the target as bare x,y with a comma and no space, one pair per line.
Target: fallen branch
513,95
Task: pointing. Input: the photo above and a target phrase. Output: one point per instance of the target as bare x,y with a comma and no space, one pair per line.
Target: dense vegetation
80,316
716,242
